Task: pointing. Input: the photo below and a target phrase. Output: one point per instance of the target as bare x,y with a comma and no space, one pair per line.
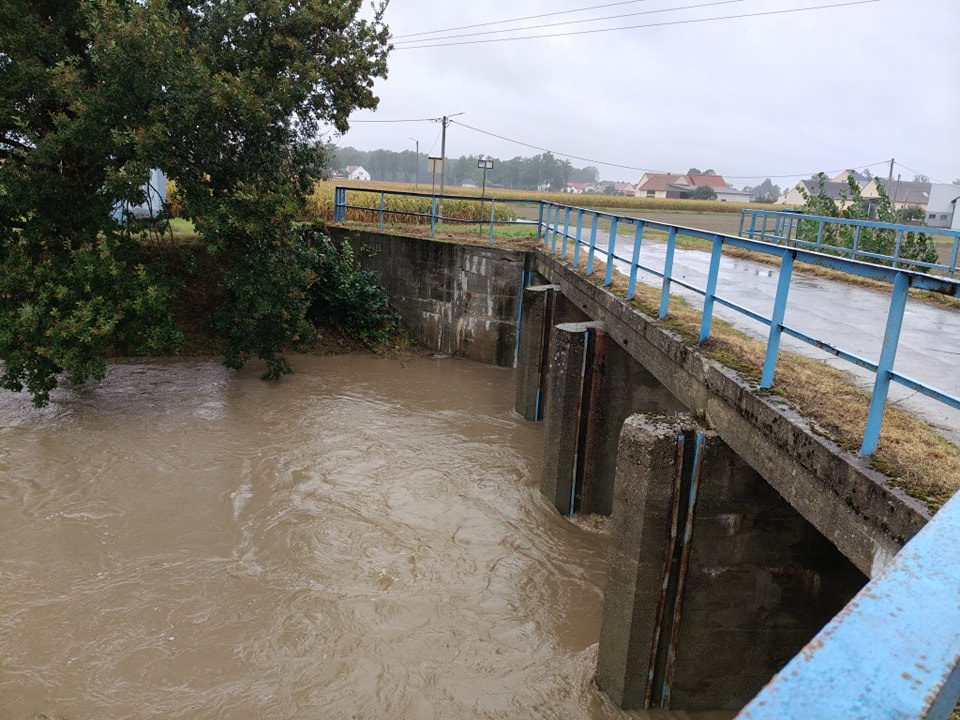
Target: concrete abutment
714,582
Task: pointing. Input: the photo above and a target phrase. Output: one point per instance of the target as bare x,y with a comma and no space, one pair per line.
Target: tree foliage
703,192
914,245
227,98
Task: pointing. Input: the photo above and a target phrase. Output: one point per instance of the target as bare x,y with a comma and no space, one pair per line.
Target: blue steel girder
893,652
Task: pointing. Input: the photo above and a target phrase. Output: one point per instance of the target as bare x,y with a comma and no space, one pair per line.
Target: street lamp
416,166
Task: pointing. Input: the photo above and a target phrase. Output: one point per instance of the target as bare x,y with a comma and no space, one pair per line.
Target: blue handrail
787,225
553,219
901,279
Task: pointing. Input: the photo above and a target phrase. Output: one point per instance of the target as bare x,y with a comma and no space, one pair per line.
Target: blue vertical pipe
566,231
856,242
667,272
635,260
576,247
492,204
896,248
711,290
953,255
593,243
776,320
433,216
556,224
753,224
763,228
611,249
888,353
820,235
540,222
382,199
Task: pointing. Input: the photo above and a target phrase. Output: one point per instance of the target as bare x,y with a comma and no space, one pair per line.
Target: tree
704,192
227,99
880,241
588,174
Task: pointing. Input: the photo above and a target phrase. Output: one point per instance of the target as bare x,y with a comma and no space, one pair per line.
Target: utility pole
416,167
890,174
443,157
443,153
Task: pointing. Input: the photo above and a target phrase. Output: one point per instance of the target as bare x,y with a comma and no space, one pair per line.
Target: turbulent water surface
362,539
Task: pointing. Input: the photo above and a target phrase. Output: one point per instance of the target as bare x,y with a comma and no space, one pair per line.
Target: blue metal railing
793,228
390,215
556,227
901,279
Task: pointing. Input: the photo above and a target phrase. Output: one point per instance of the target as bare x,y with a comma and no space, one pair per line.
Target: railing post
382,201
667,272
753,223
611,249
492,204
339,204
637,242
776,320
711,289
433,216
566,231
576,247
953,255
888,353
593,243
896,248
540,222
556,223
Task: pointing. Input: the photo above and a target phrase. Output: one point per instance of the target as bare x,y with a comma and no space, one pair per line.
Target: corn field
402,209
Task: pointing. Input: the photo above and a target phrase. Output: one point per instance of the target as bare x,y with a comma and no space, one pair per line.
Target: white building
942,210
356,172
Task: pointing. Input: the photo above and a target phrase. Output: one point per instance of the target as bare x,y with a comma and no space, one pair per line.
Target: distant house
624,189
839,191
356,172
942,208
578,188
902,193
656,185
155,195
668,185
859,177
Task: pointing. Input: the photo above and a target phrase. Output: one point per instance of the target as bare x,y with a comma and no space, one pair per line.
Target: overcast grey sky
777,95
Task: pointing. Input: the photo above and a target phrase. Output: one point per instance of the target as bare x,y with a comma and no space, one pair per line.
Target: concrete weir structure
737,532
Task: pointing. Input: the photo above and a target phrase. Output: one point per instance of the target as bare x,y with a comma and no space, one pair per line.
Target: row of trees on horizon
540,172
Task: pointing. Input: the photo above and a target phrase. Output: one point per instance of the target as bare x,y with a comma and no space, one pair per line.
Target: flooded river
364,539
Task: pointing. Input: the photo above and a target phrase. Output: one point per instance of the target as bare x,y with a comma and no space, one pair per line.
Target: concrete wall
455,299
840,494
714,581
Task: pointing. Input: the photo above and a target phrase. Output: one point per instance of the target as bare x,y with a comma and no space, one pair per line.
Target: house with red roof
669,185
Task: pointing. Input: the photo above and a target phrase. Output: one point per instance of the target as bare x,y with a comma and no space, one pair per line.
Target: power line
917,172
640,169
580,22
637,27
519,19
398,121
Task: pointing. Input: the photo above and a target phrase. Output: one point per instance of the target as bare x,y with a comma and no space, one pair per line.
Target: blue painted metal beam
893,653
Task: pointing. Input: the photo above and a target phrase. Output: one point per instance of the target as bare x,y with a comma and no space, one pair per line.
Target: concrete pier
533,361
592,386
714,581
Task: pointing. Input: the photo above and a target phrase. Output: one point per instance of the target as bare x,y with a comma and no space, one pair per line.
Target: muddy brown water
364,539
